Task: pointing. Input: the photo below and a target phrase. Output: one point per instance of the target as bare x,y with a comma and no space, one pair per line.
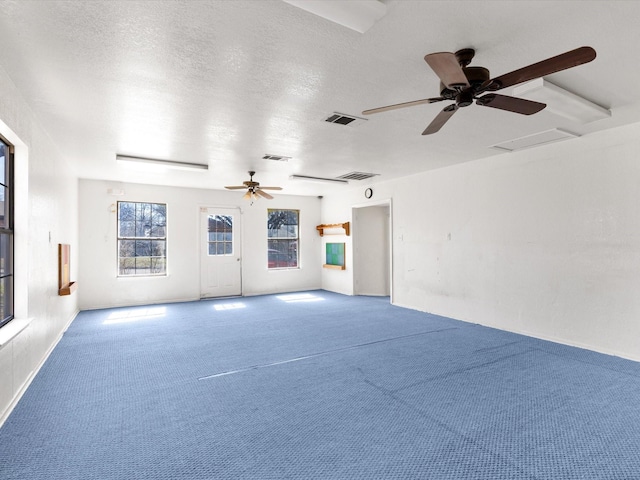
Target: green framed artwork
335,257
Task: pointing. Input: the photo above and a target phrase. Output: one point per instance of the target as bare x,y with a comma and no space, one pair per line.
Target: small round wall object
368,193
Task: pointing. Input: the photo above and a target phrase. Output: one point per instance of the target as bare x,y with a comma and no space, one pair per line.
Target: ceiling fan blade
510,104
402,105
551,65
235,187
446,66
441,119
263,194
270,188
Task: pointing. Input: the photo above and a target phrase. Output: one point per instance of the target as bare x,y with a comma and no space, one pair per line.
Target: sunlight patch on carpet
135,315
230,306
300,297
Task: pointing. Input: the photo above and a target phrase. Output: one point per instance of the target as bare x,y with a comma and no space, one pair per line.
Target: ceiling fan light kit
254,190
463,84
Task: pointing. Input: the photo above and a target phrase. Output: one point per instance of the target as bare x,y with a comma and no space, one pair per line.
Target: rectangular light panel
561,101
537,139
163,163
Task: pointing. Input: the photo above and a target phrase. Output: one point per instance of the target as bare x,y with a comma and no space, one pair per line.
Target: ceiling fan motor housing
464,98
476,76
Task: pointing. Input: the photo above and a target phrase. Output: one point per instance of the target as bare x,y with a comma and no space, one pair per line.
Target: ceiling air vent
343,119
357,176
277,158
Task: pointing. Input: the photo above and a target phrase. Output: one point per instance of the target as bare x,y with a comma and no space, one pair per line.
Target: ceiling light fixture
561,101
308,178
359,16
163,163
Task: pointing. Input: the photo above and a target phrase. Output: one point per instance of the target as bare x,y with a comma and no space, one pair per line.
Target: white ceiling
225,82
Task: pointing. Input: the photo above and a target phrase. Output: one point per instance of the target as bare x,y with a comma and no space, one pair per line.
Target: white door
220,266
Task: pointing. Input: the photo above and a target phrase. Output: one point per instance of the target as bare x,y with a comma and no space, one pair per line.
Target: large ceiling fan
254,190
463,84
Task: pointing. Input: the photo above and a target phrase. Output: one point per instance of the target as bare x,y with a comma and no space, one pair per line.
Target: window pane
126,211
3,163
212,248
127,263
143,248
6,255
128,228
228,248
158,220
143,220
157,230
127,248
4,207
6,299
158,248
127,266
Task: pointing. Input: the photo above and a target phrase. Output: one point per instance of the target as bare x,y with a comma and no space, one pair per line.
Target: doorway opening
372,250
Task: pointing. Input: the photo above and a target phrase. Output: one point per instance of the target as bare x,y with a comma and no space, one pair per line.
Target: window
142,238
282,242
6,232
220,235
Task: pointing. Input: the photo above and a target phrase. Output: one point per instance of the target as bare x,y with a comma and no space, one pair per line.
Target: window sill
12,329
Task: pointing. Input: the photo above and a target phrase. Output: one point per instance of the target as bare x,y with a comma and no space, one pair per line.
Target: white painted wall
98,254
371,253
544,242
46,214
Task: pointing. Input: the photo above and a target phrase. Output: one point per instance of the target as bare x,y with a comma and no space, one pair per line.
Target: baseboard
547,338
23,388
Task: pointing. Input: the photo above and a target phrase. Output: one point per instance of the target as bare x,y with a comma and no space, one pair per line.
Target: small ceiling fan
254,190
463,84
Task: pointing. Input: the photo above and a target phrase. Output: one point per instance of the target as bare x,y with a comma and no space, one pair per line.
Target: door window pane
220,234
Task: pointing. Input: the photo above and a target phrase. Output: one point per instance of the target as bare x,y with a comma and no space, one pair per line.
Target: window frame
146,238
295,240
7,262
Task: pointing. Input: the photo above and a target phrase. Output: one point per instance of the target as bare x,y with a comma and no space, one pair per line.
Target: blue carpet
318,386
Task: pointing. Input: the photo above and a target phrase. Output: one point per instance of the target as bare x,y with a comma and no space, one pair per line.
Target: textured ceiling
224,82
